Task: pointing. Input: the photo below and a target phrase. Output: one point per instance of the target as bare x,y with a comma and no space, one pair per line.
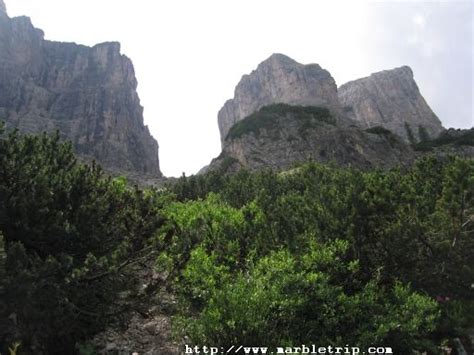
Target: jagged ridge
281,136
392,99
88,93
375,119
280,79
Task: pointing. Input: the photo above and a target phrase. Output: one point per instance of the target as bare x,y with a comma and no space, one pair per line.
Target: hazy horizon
189,56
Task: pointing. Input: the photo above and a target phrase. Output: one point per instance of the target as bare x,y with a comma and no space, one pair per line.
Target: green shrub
269,117
379,130
423,134
406,237
410,135
316,255
69,234
227,162
466,138
284,300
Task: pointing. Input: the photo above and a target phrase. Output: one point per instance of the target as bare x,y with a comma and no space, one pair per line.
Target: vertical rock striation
282,136
279,79
390,99
87,93
277,118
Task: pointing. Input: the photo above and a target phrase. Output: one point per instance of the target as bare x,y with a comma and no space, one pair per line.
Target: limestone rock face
3,8
390,99
282,136
279,79
451,142
87,93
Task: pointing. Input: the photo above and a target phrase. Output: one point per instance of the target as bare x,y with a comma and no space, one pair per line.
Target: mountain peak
404,70
87,93
392,99
279,79
281,58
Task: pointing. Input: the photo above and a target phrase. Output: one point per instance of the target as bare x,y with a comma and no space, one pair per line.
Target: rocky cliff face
391,99
373,118
89,94
279,79
281,136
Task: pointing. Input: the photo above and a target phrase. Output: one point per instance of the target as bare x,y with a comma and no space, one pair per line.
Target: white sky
189,55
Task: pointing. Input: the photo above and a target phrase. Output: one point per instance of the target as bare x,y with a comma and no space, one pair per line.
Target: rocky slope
391,99
89,94
281,136
374,121
279,79
459,142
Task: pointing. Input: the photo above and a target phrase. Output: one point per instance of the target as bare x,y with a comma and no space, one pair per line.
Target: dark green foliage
367,236
3,260
227,162
379,130
392,138
283,299
316,254
269,118
423,134
84,349
411,137
68,232
464,138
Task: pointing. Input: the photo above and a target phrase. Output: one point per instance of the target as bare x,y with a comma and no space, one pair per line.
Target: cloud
419,20
435,39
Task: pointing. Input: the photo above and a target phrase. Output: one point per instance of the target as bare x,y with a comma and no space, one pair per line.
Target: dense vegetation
69,234
266,118
379,130
422,135
326,255
318,254
457,139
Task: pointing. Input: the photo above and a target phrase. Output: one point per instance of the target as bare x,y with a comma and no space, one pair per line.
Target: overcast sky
190,54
